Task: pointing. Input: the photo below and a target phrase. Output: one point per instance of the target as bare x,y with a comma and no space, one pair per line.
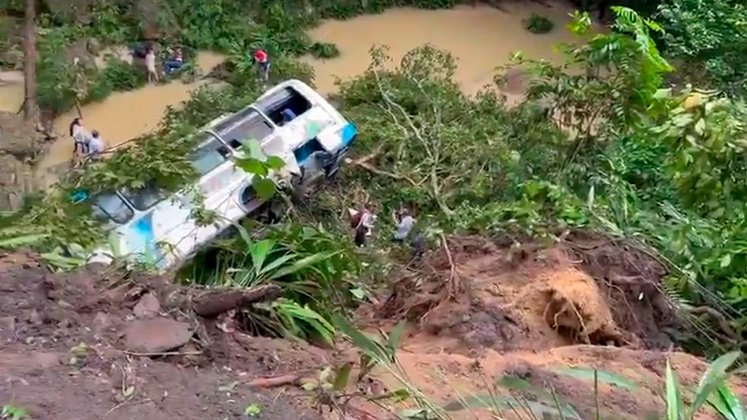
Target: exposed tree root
216,302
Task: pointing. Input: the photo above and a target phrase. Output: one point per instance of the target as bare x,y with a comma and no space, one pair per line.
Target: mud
586,302
64,355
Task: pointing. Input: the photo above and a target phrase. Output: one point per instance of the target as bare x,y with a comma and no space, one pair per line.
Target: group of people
147,52
88,144
362,222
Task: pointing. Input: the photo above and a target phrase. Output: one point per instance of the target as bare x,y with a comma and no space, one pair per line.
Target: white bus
290,120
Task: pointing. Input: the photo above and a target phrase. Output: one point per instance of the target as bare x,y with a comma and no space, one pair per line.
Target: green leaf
602,376
395,335
302,264
396,396
252,166
368,345
21,241
675,409
255,150
727,403
265,187
713,378
259,252
341,379
253,410
275,162
726,261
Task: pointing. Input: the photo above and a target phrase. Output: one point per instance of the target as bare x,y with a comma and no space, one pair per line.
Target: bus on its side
291,121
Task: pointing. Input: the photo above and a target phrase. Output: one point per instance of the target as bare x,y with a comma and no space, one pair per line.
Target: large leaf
301,264
276,263
21,241
275,162
675,409
252,166
727,403
602,376
713,378
259,252
371,347
264,187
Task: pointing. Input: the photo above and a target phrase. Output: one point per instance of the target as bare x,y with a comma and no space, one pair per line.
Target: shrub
538,24
324,50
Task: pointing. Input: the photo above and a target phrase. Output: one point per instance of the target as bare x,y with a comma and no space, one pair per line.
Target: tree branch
216,302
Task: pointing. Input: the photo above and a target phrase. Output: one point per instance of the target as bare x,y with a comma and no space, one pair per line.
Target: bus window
246,125
109,206
306,150
209,156
144,198
284,106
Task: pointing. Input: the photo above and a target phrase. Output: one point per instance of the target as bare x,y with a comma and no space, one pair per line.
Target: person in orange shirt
263,64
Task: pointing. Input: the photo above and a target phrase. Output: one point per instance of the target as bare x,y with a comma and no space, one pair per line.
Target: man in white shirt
150,64
96,146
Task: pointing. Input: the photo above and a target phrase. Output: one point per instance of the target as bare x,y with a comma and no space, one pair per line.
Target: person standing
175,62
150,64
80,136
96,146
405,223
362,221
263,64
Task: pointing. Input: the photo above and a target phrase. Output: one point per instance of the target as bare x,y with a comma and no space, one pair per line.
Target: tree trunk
30,109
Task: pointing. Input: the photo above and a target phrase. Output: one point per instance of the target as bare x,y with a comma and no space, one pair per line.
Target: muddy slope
75,347
487,311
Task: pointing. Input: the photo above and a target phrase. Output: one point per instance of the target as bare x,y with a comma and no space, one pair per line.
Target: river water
480,37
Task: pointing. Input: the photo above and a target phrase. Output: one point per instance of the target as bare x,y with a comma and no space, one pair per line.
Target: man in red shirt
263,64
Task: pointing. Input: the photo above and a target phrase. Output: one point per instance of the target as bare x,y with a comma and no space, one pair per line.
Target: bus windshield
109,206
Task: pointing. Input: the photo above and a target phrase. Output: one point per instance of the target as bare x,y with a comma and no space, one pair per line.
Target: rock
94,46
147,307
156,335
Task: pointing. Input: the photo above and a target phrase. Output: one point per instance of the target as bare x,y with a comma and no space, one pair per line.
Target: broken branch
216,302
275,381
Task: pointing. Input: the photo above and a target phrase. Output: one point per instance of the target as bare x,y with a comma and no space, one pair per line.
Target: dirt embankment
531,311
105,346
102,344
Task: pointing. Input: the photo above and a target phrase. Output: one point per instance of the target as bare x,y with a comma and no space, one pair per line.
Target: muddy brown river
481,38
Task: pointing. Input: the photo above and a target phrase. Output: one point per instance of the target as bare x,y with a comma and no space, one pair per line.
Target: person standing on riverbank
150,64
96,146
263,64
80,136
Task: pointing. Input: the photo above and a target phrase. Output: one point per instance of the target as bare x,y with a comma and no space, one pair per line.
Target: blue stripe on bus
348,133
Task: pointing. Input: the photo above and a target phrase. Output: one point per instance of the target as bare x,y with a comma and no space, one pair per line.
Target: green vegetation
324,50
538,24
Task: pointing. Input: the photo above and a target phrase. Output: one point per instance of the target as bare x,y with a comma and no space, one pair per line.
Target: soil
532,310
108,344
64,341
